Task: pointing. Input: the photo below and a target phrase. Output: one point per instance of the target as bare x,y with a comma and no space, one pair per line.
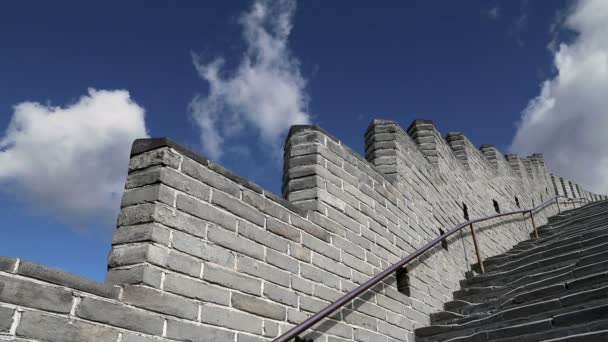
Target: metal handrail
312,320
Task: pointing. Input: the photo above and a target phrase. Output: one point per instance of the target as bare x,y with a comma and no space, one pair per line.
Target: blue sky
469,66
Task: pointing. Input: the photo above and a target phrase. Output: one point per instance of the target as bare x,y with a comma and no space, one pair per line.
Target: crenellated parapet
202,254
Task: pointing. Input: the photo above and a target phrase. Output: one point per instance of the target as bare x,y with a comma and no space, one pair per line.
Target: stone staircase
554,288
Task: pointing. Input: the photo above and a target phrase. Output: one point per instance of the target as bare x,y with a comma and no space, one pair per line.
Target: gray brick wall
201,254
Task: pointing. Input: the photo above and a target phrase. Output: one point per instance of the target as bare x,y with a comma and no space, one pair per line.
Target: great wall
201,254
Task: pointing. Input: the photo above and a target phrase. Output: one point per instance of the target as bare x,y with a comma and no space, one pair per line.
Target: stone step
563,279
497,326
536,247
547,288
549,251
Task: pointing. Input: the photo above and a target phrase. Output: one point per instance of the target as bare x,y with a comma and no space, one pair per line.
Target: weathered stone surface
159,301
258,306
39,326
194,332
215,257
193,288
55,276
118,315
6,318
232,279
230,318
30,294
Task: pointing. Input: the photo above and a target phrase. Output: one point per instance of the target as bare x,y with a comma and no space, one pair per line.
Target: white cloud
72,160
568,121
266,92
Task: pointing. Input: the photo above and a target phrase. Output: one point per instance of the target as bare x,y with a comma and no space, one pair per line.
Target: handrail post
477,251
534,224
559,211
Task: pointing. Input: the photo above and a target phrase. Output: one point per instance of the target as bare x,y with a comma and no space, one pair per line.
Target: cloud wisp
72,160
568,120
265,93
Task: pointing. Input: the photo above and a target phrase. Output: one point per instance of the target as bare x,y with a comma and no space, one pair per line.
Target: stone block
147,232
148,194
203,249
232,319
27,293
235,243
280,294
282,261
159,301
232,279
261,270
258,306
55,276
206,212
262,236
195,332
44,327
6,318
213,179
283,229
238,208
194,288
162,156
119,315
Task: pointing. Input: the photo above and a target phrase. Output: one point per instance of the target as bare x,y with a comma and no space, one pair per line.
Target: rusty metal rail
314,319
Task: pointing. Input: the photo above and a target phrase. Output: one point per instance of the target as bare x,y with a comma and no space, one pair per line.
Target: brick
193,332
194,288
318,275
40,326
147,232
348,247
55,276
27,293
359,319
260,269
131,337
235,243
163,157
300,252
310,228
336,327
141,274
258,306
283,229
312,304
362,335
327,293
232,279
326,223
262,236
331,265
203,249
301,285
158,301
238,208
118,315
249,338
321,247
265,205
231,319
280,294
6,319
282,261
203,174
148,194
206,212
7,264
